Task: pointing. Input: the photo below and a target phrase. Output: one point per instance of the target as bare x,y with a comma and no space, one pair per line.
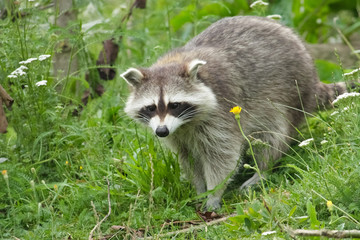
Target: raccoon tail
326,93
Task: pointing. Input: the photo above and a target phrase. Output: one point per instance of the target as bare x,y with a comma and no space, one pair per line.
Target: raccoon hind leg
271,148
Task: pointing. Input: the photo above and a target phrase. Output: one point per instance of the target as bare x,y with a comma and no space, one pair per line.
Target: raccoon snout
162,131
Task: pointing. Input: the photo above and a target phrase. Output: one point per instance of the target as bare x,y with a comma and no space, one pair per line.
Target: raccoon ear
194,66
132,76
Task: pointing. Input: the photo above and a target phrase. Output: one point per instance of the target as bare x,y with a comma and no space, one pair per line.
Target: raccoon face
166,118
167,97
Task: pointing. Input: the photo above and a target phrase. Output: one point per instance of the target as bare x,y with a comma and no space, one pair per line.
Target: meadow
71,168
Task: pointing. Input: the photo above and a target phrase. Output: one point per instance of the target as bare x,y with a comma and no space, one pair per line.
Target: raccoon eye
151,108
174,105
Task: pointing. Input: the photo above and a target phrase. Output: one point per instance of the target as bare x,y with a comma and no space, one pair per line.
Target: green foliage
56,163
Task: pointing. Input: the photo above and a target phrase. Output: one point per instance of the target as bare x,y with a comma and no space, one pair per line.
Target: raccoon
185,97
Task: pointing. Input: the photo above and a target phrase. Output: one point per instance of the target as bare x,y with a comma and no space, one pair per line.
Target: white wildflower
306,142
346,108
334,113
275,16
268,233
18,72
28,61
22,68
324,142
41,83
259,2
351,73
346,95
43,57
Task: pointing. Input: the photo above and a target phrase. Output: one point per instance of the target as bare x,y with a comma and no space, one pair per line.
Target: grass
57,164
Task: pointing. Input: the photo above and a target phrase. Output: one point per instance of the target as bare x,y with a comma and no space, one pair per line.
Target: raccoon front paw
213,203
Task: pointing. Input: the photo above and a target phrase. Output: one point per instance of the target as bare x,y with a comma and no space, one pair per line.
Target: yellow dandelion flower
236,110
80,167
4,173
330,205
55,187
67,163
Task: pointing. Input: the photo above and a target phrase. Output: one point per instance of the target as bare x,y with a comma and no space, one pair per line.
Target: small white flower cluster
345,95
40,58
41,83
351,73
259,2
28,61
43,57
268,233
18,72
306,142
334,113
324,142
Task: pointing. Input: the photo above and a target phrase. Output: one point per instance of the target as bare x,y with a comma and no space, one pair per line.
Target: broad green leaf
314,222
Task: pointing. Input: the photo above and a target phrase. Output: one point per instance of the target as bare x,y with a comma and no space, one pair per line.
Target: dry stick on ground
96,217
190,229
107,215
324,233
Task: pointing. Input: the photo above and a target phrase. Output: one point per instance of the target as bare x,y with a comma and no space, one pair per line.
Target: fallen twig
107,215
191,228
96,217
324,233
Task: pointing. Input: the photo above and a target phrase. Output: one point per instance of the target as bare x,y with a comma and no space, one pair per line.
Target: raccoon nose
162,131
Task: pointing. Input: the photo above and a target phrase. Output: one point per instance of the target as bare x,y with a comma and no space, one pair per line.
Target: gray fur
253,62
